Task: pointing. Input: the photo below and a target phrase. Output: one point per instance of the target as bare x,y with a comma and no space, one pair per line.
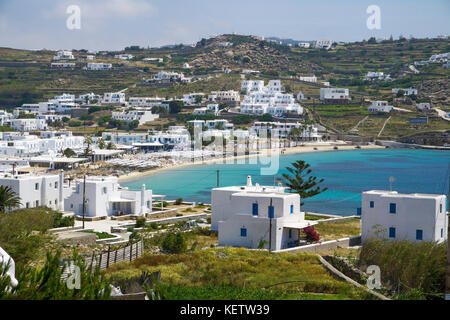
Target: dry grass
242,268
338,230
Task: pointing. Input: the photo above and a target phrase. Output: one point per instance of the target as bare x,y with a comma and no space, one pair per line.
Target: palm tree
8,198
101,143
88,141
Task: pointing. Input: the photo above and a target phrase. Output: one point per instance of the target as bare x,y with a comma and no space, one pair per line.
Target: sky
114,24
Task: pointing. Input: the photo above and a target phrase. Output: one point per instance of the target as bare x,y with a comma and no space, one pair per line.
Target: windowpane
391,232
419,234
255,209
392,208
243,232
271,211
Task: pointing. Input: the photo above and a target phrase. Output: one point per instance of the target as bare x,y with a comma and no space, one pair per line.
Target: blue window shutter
358,211
392,208
372,204
292,208
290,233
243,232
271,212
419,234
391,232
255,209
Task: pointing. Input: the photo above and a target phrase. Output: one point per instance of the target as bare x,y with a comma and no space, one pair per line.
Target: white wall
413,212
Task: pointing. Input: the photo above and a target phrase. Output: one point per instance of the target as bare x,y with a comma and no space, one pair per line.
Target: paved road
442,114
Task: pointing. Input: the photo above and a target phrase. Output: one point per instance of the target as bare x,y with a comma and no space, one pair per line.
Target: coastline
294,150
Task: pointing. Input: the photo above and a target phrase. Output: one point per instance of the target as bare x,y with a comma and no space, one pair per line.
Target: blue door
271,212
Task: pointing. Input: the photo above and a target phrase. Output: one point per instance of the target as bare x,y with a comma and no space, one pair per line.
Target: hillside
26,77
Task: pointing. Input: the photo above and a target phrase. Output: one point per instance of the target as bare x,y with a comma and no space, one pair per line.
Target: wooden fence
107,258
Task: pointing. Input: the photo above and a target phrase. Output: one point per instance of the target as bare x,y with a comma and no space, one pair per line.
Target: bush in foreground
412,270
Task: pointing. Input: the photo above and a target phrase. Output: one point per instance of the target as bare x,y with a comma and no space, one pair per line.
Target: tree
198,99
266,117
400,93
133,124
174,243
8,198
111,146
69,153
101,143
301,181
175,106
88,141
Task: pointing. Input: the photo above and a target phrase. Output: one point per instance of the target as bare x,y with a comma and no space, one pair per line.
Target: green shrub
413,268
45,283
60,221
140,222
179,201
175,243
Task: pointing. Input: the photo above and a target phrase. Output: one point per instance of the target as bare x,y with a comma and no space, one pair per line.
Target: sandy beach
319,147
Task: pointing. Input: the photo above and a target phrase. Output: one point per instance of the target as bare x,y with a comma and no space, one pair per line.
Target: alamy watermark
374,279
374,20
73,281
73,22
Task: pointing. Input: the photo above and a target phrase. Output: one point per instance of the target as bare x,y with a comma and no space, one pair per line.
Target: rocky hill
248,52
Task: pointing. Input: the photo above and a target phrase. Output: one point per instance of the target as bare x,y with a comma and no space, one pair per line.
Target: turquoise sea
346,174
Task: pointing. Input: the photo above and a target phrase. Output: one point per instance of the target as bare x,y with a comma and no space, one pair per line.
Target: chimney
249,181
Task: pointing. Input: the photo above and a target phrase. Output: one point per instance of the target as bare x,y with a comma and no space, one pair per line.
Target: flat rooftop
403,195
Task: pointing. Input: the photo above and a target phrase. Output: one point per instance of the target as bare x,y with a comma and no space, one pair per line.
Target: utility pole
270,225
217,178
447,280
84,198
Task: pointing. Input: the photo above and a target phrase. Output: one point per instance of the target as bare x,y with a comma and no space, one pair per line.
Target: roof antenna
391,179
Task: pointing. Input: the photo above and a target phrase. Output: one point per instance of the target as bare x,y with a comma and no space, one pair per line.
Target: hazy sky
114,24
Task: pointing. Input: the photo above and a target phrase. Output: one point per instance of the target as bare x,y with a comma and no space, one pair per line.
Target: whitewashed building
245,216
380,106
29,124
248,86
145,101
89,98
124,56
407,91
141,115
396,216
105,197
282,130
6,260
5,117
312,79
36,191
224,96
260,100
423,106
63,65
324,44
190,99
24,145
114,97
64,55
336,95
164,76
97,66
377,75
